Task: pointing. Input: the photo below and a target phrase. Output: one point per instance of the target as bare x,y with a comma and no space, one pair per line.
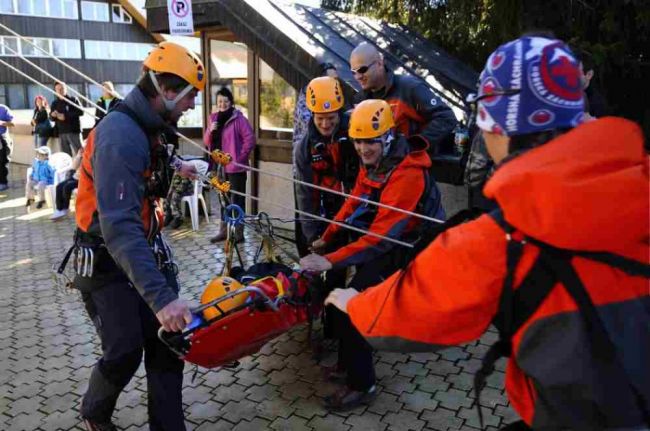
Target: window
7,6
193,117
120,15
63,48
229,68
46,8
11,46
16,96
94,11
108,50
277,101
39,7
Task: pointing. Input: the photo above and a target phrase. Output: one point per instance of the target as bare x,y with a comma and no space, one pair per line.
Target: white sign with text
180,17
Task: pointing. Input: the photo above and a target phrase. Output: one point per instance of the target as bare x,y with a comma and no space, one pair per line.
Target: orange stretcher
239,322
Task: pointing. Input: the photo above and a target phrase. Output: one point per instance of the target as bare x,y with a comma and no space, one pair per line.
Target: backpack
553,265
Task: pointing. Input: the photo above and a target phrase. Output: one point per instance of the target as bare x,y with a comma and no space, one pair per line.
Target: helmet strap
387,142
169,104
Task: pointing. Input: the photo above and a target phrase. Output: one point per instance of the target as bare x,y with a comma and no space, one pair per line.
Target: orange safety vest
86,205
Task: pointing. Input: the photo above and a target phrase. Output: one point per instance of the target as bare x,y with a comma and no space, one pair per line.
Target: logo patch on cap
541,117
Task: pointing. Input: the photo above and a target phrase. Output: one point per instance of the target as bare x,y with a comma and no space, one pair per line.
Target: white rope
205,151
343,225
63,63
41,84
46,73
336,192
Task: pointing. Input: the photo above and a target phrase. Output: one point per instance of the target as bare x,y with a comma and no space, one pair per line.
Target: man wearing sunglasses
416,109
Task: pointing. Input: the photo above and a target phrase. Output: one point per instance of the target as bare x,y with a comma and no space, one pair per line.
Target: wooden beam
140,18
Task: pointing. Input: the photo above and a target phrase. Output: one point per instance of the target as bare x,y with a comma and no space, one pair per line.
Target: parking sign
180,17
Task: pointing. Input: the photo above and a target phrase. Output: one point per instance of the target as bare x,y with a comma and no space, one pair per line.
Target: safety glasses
473,98
363,69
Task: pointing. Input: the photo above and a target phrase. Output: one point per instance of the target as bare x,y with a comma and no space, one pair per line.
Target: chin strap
387,142
169,104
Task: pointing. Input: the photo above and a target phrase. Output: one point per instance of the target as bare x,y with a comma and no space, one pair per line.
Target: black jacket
71,124
416,109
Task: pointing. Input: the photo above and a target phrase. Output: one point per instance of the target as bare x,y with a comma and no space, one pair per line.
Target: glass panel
95,92
73,48
34,90
101,10
10,42
277,100
27,49
16,96
39,7
56,8
7,6
123,89
44,44
229,67
58,47
25,6
117,13
70,9
87,11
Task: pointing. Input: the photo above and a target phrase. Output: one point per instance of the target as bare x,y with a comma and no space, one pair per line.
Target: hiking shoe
97,426
58,215
40,204
29,202
347,399
333,373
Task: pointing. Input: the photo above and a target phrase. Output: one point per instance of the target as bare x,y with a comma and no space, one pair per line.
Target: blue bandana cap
536,84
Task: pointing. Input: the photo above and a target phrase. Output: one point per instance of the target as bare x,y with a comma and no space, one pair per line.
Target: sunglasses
473,98
363,69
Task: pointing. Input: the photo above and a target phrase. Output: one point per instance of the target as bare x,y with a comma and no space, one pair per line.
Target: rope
63,63
39,83
46,73
343,225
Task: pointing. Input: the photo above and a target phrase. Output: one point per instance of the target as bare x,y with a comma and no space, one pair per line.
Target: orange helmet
170,57
370,119
218,287
324,94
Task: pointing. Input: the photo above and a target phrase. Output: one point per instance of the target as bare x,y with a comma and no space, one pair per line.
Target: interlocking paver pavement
48,346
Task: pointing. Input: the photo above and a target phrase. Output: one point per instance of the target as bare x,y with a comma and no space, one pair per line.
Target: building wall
122,72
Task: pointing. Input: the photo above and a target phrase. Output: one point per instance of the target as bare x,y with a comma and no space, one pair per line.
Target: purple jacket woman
230,132
237,139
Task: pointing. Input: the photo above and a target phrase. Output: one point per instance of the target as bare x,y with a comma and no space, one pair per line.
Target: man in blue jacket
129,285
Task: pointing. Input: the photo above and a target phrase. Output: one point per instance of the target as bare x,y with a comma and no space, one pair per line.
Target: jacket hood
407,153
142,108
585,190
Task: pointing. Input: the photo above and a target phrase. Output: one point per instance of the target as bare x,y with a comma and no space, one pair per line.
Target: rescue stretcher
241,321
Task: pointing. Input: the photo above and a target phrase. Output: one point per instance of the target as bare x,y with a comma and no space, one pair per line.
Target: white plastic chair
193,200
61,162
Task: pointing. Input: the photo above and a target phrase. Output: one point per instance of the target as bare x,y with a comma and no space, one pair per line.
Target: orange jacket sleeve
345,211
448,294
403,190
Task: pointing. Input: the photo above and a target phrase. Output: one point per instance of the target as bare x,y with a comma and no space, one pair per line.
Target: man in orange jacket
561,269
393,172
